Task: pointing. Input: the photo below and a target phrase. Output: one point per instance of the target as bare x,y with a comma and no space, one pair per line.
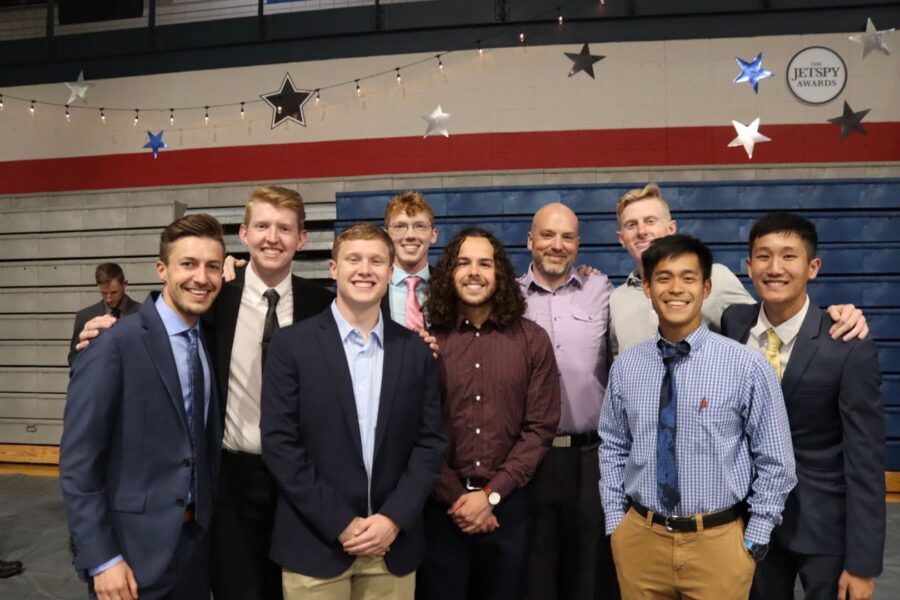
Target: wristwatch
493,497
757,551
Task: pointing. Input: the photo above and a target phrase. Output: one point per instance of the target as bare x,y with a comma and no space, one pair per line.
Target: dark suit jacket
831,390
311,445
125,455
86,314
309,299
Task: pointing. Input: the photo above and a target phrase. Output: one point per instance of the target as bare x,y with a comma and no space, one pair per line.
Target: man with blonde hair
409,220
644,216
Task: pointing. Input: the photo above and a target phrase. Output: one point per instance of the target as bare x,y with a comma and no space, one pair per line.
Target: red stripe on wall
675,146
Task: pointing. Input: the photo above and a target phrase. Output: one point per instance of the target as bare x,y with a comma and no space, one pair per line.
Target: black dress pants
242,531
776,575
479,566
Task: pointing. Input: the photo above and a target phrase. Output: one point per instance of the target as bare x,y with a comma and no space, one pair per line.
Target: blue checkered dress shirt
733,441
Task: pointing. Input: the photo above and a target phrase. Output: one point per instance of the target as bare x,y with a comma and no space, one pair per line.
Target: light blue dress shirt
397,292
733,441
365,359
176,327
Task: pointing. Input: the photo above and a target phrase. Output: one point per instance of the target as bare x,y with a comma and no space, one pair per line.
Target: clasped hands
371,536
472,513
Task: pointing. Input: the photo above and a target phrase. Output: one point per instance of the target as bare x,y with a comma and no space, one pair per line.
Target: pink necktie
415,320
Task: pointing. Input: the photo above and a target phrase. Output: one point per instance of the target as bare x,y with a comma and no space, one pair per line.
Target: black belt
573,440
243,458
683,524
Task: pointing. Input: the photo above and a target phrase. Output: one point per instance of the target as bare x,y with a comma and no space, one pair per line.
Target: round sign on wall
816,75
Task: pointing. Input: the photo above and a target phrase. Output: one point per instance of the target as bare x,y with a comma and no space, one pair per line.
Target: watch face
758,551
494,499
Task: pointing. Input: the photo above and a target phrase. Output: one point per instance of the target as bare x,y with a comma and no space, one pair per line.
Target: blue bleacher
858,223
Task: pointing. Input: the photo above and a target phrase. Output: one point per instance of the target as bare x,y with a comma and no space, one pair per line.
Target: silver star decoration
872,39
437,122
747,136
850,121
583,61
78,89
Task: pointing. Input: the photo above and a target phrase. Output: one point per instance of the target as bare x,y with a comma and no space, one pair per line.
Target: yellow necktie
773,350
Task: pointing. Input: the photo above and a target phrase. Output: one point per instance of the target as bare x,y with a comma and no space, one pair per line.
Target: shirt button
477,334
477,365
477,398
477,431
477,463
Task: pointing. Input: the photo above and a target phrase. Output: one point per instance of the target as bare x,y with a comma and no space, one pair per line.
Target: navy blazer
311,445
833,399
125,456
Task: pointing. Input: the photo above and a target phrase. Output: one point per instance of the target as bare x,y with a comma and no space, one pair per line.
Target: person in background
112,285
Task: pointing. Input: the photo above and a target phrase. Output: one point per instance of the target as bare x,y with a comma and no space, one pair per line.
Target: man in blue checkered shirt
695,438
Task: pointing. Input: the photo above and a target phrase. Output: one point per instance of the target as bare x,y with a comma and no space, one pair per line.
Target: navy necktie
197,421
666,461
271,323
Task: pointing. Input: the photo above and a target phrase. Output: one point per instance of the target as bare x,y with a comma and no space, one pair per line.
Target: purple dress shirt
576,316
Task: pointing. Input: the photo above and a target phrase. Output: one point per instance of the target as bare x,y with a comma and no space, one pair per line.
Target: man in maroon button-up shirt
501,404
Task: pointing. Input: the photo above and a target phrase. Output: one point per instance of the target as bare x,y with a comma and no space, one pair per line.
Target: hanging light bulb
440,63
480,49
318,96
31,108
278,109
137,116
206,116
1,101
68,117
171,116
358,91
242,111
399,79
102,116
522,37
560,18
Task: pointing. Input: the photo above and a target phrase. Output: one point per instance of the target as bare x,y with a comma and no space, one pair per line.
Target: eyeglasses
401,228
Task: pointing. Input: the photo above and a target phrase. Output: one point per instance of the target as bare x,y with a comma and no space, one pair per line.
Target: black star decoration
850,121
287,103
583,61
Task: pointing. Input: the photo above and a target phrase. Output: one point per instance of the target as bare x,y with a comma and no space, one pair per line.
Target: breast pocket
591,328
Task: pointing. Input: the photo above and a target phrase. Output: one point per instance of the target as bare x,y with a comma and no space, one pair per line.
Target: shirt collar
399,275
345,329
463,323
574,278
256,288
695,339
787,331
634,280
174,324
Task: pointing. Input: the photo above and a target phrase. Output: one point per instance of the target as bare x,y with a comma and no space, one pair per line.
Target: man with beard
500,392
571,558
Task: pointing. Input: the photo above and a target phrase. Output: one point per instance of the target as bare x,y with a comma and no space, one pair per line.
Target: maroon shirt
500,399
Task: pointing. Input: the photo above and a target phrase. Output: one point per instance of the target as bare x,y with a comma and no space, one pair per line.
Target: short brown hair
650,191
362,231
279,197
409,204
107,272
198,225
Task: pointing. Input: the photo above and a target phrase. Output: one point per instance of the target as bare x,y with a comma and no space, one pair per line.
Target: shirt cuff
110,563
613,518
759,530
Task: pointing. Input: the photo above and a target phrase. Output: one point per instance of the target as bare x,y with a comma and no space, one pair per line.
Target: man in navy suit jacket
833,526
137,463
352,435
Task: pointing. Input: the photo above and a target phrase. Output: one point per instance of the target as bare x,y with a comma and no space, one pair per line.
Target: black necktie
114,311
201,476
271,321
666,461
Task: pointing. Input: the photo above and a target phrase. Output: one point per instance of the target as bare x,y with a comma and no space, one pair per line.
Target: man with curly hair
501,404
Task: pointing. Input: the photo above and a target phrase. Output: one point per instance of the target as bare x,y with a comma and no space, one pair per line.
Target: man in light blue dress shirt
695,439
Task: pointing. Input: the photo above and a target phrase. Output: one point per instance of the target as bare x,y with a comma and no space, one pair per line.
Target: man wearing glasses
409,221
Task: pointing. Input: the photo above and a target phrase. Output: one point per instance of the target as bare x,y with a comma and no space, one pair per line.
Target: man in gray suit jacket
833,526
112,285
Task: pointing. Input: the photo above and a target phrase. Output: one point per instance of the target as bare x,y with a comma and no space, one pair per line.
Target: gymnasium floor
33,530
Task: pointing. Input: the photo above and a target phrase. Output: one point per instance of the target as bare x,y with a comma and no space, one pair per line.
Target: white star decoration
747,136
437,122
872,39
78,89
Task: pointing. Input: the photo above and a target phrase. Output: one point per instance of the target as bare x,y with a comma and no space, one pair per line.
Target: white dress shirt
758,339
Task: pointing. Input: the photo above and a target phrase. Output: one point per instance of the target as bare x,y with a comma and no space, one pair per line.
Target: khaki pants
366,579
654,563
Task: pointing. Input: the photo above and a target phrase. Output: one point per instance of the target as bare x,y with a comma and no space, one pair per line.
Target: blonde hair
362,231
650,191
279,197
408,203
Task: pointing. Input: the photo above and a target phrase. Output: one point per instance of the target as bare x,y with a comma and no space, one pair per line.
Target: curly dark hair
442,307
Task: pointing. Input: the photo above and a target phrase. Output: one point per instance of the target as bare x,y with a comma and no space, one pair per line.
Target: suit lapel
336,359
805,347
390,376
156,339
746,326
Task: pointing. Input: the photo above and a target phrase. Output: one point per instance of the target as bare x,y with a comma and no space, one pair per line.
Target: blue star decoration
751,71
156,142
287,103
